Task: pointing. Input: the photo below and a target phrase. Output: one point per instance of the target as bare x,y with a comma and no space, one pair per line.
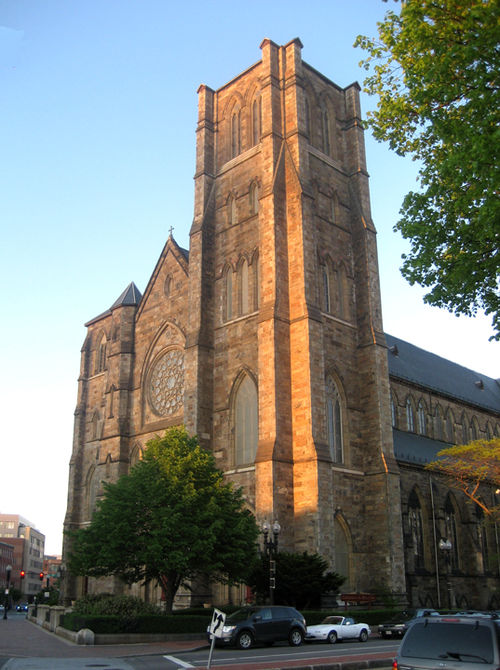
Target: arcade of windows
439,423
245,427
246,122
254,124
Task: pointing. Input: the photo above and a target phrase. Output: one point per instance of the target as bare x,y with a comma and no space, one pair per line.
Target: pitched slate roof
417,366
130,296
417,449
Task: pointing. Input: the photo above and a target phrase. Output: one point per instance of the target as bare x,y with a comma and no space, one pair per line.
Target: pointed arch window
334,421
326,289
474,429
483,539
232,214
394,411
325,127
100,355
450,433
438,423
489,432
235,134
229,293
465,430
256,281
308,120
422,419
246,422
243,285
342,552
410,415
450,524
256,120
416,530
254,198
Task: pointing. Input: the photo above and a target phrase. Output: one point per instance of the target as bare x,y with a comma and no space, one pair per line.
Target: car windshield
333,619
449,641
243,614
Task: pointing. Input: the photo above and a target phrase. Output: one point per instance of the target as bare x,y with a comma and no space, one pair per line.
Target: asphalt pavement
26,646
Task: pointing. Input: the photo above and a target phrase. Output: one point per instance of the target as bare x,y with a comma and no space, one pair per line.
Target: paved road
26,646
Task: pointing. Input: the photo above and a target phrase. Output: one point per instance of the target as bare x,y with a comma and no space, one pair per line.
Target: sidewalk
23,639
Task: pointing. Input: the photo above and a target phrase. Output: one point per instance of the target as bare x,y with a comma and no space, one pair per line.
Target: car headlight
228,629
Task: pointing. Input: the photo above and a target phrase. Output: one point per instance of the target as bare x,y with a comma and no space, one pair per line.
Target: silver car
450,642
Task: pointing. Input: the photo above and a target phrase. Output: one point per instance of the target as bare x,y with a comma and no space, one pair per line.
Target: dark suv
250,625
449,642
398,625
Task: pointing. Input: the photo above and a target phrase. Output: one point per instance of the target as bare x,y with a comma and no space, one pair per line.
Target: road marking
182,664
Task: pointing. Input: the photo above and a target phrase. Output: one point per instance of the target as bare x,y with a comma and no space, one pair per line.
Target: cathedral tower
286,364
266,338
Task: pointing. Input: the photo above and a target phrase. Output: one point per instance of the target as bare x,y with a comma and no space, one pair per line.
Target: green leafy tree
171,519
469,466
435,69
301,579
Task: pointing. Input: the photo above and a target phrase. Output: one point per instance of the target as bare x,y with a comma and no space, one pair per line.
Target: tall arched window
410,415
232,214
422,420
243,286
100,355
450,524
256,120
254,198
325,127
450,422
438,423
416,530
465,430
334,421
474,429
246,422
326,289
235,133
394,411
229,293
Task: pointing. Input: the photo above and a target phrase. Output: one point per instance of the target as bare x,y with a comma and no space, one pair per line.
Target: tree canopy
435,69
301,579
171,519
469,466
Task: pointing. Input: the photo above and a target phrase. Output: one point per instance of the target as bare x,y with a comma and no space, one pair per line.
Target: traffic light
41,576
23,574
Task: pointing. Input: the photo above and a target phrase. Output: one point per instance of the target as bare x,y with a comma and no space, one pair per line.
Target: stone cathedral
265,339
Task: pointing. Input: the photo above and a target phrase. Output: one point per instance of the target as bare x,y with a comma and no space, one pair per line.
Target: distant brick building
266,340
29,545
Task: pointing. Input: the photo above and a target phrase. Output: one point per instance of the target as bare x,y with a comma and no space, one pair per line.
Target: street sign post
216,626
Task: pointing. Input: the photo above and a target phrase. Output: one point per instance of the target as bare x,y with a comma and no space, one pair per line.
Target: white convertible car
335,628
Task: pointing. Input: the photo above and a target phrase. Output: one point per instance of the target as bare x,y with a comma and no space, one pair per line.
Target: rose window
166,383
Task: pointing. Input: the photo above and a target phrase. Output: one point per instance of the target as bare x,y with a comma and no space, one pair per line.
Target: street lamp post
445,546
271,551
8,570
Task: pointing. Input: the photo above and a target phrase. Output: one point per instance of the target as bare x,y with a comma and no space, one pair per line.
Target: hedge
148,623
193,623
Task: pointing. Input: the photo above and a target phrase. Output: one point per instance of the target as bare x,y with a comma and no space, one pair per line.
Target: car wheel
332,637
296,637
363,636
244,640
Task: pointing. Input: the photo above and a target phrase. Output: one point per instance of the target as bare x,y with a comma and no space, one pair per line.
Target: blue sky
98,111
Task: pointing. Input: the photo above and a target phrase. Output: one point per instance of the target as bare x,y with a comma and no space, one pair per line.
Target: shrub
107,604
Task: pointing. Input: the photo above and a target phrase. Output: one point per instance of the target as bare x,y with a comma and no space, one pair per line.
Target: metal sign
217,623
